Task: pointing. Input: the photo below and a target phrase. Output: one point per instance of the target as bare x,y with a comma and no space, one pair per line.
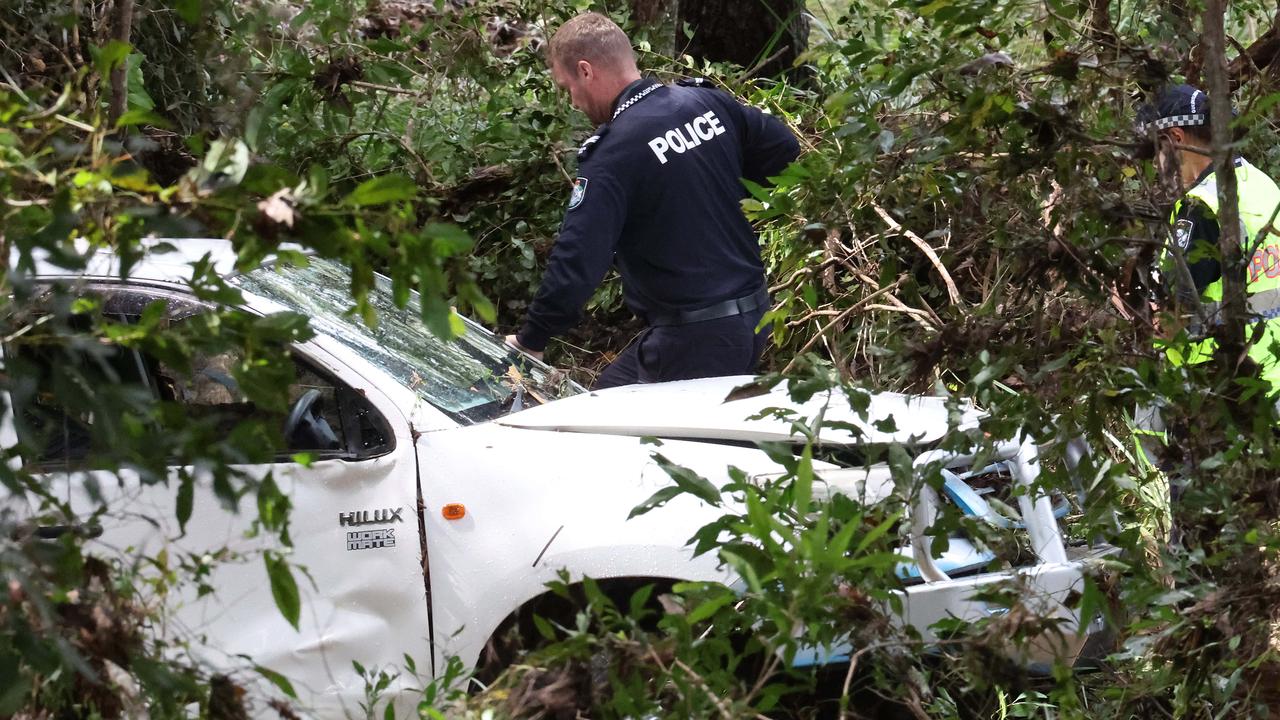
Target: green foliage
969,219
80,631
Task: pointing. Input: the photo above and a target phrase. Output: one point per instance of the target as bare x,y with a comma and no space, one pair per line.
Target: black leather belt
728,308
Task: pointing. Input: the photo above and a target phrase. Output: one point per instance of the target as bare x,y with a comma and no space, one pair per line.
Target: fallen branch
74,123
861,304
386,88
927,320
807,270
716,701
904,308
919,242
555,157
1257,57
841,314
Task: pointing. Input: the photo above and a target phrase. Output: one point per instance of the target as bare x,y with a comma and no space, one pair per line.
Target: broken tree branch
1257,57
928,251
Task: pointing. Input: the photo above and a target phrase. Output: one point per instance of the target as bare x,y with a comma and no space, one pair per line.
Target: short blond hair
591,37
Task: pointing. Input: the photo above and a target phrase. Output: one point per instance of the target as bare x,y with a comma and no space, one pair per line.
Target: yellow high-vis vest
1258,199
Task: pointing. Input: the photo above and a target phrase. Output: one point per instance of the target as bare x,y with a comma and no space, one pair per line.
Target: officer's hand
515,343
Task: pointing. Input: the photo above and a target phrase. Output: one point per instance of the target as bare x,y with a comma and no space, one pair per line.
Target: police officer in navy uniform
658,195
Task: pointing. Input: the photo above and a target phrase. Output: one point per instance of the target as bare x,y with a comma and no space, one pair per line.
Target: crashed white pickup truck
441,502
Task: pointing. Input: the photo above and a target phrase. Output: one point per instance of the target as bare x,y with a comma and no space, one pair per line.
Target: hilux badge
370,517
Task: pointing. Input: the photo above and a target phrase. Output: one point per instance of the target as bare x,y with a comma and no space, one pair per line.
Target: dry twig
919,242
861,304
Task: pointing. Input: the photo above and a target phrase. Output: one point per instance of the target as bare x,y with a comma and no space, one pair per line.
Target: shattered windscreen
470,377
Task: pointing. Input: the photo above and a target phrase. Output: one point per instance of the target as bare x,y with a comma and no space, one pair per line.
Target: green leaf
689,481
136,86
804,480
449,238
13,693
1092,602
143,117
457,326
544,627
882,560
266,109
934,7
382,189
655,500
189,10
639,600
274,508
744,569
876,532
284,589
112,55
225,164
278,680
185,501
838,546
710,607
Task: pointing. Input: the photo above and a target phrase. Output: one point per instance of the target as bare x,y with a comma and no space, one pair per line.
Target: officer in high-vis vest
1180,121
1190,264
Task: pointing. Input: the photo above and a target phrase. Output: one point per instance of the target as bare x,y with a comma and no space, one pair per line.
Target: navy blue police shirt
658,195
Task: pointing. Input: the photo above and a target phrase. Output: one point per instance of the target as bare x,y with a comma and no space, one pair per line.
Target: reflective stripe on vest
1265,304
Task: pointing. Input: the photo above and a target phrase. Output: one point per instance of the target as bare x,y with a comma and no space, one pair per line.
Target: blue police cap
1175,106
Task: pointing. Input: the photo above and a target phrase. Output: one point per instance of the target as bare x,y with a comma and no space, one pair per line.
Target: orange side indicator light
454,511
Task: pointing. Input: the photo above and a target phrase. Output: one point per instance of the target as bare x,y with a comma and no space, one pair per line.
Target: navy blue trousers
711,348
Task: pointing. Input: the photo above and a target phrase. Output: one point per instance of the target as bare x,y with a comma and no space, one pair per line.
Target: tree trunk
763,36
648,12
119,75
1233,310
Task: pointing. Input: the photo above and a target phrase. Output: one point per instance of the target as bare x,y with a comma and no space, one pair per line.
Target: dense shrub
971,218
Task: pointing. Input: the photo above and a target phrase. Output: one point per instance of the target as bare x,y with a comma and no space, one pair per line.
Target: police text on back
704,127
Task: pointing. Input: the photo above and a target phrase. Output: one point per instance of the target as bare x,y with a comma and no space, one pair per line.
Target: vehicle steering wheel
305,420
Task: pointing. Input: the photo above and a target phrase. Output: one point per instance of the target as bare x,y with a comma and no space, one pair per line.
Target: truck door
347,478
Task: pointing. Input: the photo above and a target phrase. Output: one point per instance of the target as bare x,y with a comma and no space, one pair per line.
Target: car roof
165,260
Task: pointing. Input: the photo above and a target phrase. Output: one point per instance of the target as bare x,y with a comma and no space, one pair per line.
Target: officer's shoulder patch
1182,233
579,192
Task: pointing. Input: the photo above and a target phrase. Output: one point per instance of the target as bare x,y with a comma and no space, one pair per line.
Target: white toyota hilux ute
443,502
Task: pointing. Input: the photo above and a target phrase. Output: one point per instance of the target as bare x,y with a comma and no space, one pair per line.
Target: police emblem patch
1182,233
579,192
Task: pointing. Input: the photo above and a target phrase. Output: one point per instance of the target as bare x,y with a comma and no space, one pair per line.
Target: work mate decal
371,539
579,192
